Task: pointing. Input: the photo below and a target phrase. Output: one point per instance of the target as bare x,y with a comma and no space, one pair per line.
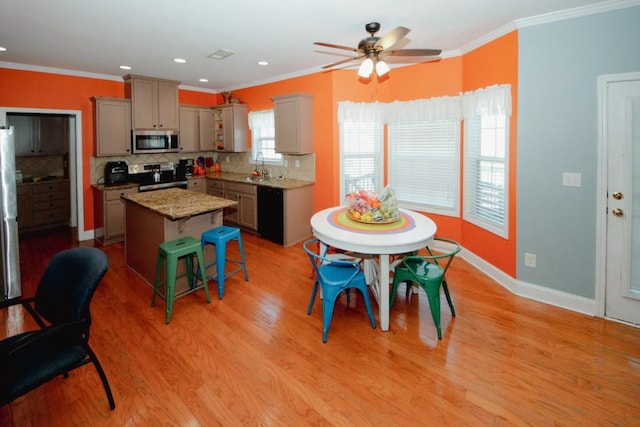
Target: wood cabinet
197,184
231,123
196,129
293,116
40,134
215,187
24,202
154,102
113,126
43,205
113,214
245,214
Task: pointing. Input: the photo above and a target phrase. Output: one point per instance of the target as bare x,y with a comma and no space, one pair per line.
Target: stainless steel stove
155,176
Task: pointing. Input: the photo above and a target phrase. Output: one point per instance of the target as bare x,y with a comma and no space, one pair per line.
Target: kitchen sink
252,178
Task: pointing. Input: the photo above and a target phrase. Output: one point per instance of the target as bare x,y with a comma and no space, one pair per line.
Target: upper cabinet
196,129
113,126
40,134
230,126
154,102
293,116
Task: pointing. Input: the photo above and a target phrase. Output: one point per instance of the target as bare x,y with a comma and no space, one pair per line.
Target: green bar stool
219,237
186,248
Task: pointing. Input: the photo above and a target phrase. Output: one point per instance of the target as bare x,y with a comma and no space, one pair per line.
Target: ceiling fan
374,50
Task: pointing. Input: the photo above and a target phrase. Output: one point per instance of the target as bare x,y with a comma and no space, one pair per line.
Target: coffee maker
184,169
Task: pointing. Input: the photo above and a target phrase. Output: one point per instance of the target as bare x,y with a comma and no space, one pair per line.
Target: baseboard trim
528,290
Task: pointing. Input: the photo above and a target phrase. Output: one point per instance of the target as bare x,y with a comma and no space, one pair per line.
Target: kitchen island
159,216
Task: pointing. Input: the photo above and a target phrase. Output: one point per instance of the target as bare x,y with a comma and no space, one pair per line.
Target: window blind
361,157
424,165
485,175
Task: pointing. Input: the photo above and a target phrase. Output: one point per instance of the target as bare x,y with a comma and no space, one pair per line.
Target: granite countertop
46,180
124,186
175,203
285,183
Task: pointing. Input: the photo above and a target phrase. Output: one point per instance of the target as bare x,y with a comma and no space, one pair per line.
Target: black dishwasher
271,213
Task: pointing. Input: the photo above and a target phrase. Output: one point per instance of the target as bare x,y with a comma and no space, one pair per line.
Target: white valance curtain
261,120
490,100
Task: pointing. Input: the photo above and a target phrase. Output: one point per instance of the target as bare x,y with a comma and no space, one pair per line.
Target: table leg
383,280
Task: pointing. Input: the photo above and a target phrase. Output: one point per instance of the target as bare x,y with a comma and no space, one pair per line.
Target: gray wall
557,132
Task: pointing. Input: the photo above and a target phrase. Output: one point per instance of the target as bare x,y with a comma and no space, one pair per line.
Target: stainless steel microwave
154,141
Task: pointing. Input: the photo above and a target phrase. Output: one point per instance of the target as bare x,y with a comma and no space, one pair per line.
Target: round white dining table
413,231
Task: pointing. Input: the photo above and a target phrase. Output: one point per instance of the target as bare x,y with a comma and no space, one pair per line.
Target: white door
622,137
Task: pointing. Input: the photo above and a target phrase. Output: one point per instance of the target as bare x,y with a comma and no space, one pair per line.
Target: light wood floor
256,358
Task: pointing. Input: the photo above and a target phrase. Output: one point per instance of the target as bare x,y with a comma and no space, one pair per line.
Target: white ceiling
92,36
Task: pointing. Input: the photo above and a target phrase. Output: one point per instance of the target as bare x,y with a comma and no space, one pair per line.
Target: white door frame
75,164
601,196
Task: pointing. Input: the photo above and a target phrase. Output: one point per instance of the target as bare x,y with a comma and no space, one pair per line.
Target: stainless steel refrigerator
9,252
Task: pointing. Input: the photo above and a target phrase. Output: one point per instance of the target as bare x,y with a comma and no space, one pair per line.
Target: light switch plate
572,179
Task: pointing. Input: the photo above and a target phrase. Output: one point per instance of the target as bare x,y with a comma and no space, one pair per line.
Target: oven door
153,141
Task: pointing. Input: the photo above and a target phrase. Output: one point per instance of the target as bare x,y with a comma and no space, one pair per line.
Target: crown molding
578,12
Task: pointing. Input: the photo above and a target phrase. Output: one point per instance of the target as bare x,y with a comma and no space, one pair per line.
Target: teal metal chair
219,237
428,271
334,276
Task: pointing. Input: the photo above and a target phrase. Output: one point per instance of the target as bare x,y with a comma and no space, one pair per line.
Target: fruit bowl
365,206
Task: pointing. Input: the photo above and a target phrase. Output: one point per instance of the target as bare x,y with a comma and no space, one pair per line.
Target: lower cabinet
113,211
245,214
24,202
197,184
43,205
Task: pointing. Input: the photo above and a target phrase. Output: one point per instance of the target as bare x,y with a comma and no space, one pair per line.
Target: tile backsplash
230,162
41,166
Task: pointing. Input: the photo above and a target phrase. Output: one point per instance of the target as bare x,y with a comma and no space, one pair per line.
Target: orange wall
493,63
28,89
496,63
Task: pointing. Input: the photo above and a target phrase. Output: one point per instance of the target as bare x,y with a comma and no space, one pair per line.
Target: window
263,142
485,175
361,157
424,165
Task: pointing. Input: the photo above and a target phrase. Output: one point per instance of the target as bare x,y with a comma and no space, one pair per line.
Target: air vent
221,54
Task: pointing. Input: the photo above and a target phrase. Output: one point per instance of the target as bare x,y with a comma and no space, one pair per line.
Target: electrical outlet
530,260
286,163
297,163
228,160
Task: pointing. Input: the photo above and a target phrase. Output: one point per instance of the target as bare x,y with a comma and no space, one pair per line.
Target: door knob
617,195
617,212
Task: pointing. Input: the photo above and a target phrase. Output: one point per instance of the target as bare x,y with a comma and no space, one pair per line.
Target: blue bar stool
219,237
186,248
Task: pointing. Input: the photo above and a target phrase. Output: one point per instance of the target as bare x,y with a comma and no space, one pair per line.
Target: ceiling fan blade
335,46
343,61
392,38
413,52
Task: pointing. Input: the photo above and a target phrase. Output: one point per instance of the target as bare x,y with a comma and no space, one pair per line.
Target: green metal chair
428,271
182,248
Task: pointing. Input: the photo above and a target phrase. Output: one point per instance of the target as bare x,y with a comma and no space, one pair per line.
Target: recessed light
125,67
179,60
204,80
263,62
3,49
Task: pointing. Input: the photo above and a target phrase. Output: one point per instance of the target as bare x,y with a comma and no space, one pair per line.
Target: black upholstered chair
61,309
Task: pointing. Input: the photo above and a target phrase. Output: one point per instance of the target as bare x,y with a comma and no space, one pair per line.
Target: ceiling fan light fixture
382,68
366,68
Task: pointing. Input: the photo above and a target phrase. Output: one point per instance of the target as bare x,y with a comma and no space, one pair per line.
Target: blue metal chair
334,276
426,271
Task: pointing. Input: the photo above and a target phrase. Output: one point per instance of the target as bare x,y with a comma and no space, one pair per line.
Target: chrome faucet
263,170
